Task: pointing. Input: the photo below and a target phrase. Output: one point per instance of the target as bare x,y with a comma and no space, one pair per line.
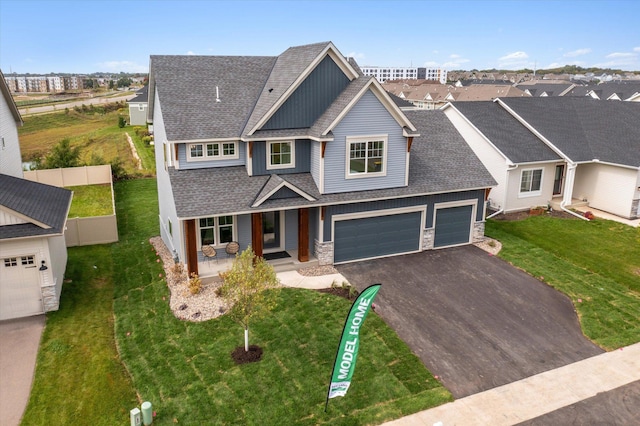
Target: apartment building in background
383,74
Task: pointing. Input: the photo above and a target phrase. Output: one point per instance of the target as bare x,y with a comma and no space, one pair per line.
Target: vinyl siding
606,187
314,167
136,116
186,165
515,201
367,117
428,200
291,230
311,98
10,158
302,149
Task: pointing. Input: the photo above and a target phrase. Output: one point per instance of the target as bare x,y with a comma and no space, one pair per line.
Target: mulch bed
240,356
525,214
340,291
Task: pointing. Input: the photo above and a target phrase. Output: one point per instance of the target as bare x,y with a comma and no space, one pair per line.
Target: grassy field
91,200
596,263
97,135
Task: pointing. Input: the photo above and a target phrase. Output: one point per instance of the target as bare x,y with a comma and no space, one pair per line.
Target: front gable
311,98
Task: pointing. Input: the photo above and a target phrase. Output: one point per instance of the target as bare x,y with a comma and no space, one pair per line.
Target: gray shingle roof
513,139
186,86
142,95
441,161
42,203
585,129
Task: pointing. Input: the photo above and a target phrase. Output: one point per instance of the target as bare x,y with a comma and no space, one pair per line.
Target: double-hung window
212,151
366,156
531,182
216,230
281,155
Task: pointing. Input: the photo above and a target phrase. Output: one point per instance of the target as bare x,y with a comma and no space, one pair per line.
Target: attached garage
453,224
20,294
376,234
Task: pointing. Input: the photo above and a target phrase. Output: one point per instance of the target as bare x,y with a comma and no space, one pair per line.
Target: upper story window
366,156
531,182
281,155
212,151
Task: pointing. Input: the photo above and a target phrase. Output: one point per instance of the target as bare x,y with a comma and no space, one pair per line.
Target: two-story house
302,154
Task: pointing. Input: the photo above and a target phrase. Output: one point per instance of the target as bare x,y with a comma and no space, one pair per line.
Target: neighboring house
556,150
33,254
301,153
138,107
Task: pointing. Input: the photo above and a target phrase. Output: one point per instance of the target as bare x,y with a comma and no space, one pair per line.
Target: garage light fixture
43,267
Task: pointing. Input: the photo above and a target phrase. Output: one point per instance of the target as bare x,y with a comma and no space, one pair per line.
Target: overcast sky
113,36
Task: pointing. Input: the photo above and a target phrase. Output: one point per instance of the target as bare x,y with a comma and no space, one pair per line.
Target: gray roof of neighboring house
142,95
551,89
440,161
585,129
42,203
513,139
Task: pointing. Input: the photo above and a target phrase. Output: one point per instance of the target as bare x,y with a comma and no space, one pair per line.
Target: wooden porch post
303,235
190,243
256,233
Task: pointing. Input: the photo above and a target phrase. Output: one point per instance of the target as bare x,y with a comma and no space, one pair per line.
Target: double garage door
20,294
390,234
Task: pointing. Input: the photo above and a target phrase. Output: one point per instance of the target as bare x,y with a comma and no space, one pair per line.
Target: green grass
596,263
97,135
91,200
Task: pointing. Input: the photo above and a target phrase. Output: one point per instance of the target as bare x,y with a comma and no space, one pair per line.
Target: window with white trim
281,155
531,182
212,151
10,261
216,231
366,156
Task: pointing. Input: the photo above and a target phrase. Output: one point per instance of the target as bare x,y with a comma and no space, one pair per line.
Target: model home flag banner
345,361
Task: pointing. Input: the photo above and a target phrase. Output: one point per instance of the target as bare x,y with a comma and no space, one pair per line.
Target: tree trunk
246,339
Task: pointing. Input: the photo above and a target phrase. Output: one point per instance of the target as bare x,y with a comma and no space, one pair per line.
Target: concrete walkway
536,395
19,342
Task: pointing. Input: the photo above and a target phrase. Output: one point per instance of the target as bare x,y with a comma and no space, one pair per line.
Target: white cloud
636,49
191,52
124,66
578,52
514,60
356,56
616,55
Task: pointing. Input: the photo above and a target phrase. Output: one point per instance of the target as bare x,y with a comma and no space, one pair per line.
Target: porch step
291,264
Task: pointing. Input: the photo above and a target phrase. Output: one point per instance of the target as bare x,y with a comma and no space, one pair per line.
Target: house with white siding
560,151
33,216
302,156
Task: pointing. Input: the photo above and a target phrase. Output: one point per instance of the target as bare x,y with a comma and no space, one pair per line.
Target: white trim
298,191
366,139
449,204
291,165
218,157
422,209
216,230
531,193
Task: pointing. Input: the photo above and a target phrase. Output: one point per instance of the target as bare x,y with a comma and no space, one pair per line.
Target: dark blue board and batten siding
302,153
311,99
367,118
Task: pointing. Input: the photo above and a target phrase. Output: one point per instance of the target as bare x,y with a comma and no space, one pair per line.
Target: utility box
134,415
147,413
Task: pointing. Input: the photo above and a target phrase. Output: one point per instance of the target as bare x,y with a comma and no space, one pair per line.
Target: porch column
567,197
256,233
191,249
303,235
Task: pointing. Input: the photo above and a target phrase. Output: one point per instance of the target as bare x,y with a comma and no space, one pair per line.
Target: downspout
566,199
510,168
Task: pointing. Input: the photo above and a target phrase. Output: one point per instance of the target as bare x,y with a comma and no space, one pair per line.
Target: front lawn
596,263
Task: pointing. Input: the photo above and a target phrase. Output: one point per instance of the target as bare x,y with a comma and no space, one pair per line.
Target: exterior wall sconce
43,267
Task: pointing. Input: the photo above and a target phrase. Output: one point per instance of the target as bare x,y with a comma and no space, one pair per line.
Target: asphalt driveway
474,320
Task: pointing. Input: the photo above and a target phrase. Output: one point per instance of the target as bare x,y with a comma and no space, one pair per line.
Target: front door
557,182
271,232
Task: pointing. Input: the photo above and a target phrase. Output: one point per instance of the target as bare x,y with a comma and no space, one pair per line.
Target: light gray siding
302,149
367,117
314,166
311,98
10,159
186,165
138,113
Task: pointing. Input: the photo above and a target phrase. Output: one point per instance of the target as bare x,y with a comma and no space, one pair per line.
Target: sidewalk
537,395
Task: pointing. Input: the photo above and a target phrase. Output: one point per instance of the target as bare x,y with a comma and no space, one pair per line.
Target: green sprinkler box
134,415
147,413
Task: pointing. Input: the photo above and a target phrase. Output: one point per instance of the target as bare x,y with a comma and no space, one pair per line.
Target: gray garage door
376,236
453,226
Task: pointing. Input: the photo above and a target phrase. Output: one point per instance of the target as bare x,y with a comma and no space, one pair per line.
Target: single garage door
453,226
378,236
20,294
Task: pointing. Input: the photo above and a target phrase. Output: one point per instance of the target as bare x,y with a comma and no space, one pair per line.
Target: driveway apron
473,319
